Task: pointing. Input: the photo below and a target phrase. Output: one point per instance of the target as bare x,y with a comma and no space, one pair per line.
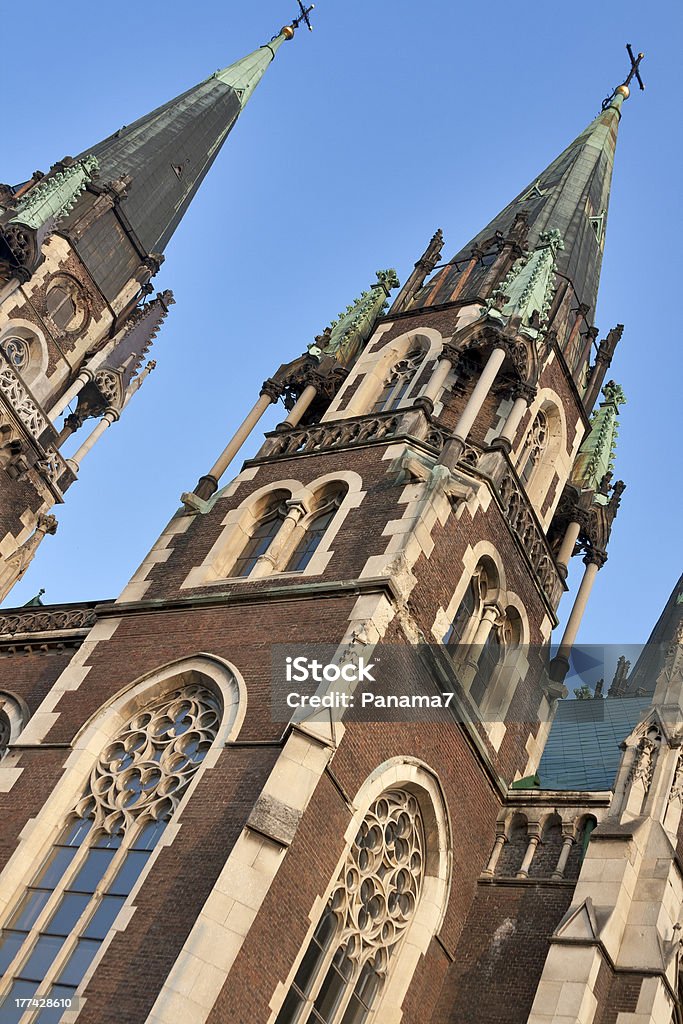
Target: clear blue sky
390,120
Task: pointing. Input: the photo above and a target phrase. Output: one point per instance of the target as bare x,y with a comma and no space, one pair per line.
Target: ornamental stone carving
362,430
643,765
148,767
380,883
525,527
21,403
46,621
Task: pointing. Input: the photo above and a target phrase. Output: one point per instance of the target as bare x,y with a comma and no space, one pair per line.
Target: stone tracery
368,913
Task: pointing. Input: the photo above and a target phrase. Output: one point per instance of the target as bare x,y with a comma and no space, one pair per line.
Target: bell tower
437,465
79,247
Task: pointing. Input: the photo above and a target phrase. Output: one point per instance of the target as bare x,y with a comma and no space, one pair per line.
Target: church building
184,837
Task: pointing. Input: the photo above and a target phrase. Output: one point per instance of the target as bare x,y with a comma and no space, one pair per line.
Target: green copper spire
156,164
596,455
570,196
345,337
244,75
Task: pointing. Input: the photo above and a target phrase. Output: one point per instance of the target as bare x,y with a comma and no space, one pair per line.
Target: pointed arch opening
313,528
385,904
106,819
541,449
401,377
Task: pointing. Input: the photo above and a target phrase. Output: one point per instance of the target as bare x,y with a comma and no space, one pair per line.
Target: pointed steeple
164,156
571,197
666,634
149,172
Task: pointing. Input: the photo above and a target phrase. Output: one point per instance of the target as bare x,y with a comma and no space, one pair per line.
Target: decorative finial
623,89
288,30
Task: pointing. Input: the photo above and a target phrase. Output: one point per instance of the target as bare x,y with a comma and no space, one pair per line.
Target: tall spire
149,172
167,153
667,633
571,196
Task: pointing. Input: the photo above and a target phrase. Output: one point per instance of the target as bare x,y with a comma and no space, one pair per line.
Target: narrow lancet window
400,379
314,531
262,536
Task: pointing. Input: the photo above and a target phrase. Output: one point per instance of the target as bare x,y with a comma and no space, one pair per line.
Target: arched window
262,536
61,305
323,514
468,614
504,635
455,633
14,715
25,353
400,379
374,901
536,445
58,925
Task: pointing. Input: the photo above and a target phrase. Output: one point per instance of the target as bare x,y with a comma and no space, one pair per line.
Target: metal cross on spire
633,73
635,66
305,11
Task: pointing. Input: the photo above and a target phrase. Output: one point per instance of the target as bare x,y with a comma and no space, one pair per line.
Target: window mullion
24,951
322,969
349,989
71,939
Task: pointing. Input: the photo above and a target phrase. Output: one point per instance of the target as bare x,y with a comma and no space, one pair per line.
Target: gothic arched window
504,635
13,717
314,530
400,379
468,614
455,633
371,907
61,920
536,445
262,535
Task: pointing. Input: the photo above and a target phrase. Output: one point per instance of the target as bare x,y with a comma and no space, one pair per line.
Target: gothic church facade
172,849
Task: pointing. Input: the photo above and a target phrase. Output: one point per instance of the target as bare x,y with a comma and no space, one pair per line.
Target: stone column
534,840
109,416
440,373
490,868
453,448
72,423
571,535
16,564
560,663
488,620
84,377
567,843
576,327
302,403
269,560
465,275
522,394
208,484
